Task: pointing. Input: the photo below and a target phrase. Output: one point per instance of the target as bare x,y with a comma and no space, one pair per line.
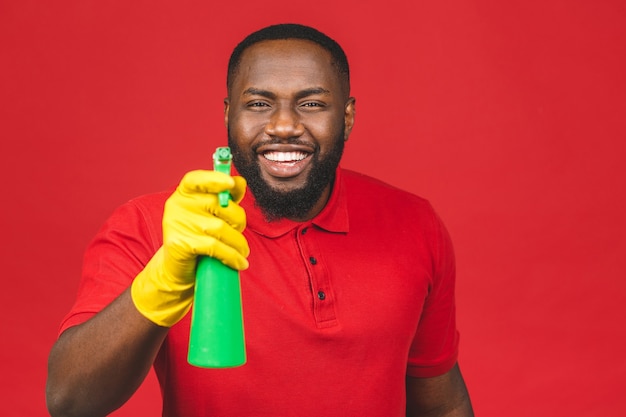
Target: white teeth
285,156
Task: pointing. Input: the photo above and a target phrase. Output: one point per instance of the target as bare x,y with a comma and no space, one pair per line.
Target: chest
359,282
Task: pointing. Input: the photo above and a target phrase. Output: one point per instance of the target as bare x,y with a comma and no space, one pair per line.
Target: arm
441,396
96,366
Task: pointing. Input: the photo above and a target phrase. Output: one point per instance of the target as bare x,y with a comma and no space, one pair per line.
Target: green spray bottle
216,339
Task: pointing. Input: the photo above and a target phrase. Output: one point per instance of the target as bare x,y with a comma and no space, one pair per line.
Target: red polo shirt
337,310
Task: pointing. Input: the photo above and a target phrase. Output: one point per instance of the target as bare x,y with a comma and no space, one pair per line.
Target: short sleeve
118,252
434,350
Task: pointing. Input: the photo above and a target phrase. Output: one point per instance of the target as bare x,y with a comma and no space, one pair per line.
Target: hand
194,224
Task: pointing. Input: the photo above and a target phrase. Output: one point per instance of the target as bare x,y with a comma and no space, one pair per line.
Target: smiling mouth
285,157
285,165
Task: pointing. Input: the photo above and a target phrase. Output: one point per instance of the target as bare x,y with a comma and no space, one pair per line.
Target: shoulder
150,202
148,206
373,203
379,193
137,219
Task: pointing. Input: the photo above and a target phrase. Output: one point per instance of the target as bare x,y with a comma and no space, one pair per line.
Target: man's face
288,114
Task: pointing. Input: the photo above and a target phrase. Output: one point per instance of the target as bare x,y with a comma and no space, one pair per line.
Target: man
347,283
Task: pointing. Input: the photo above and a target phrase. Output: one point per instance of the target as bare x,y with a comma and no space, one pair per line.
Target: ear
348,116
226,108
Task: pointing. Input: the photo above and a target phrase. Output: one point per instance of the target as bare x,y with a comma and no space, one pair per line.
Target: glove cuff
157,298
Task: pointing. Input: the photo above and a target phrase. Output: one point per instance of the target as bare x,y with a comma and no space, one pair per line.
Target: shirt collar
332,218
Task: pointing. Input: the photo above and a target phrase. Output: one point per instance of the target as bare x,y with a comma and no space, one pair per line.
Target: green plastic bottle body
216,338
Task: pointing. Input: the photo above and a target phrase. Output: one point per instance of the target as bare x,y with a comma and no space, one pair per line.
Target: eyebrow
252,91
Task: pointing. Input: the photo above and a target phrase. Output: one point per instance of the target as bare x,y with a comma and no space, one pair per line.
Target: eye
257,105
312,105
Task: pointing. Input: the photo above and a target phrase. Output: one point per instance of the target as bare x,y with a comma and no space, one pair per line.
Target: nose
284,123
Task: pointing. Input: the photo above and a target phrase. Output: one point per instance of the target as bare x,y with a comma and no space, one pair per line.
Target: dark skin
274,103
444,395
95,367
284,89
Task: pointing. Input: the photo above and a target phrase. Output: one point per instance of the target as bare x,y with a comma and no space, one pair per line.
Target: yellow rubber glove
194,224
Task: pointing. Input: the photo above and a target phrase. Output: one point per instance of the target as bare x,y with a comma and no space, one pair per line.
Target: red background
509,116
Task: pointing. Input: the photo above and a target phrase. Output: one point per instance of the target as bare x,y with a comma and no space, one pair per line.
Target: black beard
294,204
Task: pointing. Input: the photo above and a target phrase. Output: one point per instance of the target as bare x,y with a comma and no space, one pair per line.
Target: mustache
291,141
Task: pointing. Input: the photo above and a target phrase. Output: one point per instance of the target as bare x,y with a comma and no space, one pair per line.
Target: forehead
286,63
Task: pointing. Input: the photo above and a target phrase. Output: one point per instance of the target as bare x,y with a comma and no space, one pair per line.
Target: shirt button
321,295
303,231
313,260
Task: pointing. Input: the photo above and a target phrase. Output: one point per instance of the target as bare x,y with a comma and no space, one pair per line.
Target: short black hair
290,31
